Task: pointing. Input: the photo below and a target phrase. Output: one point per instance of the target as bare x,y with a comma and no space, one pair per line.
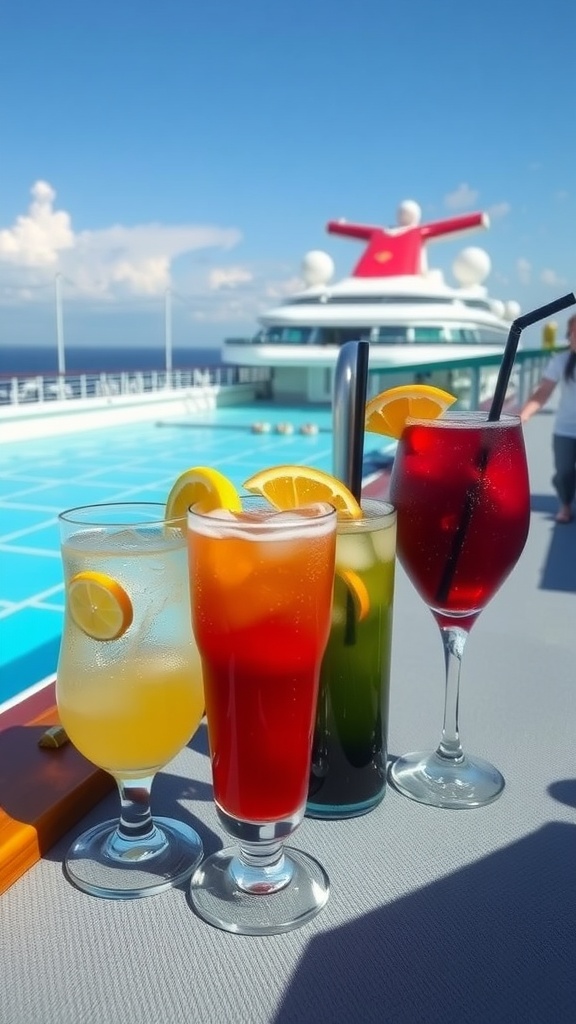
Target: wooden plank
43,792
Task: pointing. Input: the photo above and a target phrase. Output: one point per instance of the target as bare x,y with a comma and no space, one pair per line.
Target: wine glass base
217,899
438,781
138,872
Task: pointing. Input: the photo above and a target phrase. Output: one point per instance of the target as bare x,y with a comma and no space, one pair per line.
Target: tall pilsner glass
460,487
129,687
261,585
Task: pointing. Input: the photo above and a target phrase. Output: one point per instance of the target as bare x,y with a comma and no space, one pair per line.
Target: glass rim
270,522
471,417
379,513
74,517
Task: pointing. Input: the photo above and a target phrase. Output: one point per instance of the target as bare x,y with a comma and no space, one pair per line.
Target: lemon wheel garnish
207,489
387,412
99,605
287,487
357,589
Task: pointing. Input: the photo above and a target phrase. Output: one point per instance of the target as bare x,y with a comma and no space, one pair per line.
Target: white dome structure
317,267
409,213
471,266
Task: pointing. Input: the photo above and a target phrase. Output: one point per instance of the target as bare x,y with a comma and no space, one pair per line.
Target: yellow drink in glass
132,699
123,719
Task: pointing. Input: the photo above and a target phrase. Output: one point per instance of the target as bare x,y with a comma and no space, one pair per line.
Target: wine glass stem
136,822
453,639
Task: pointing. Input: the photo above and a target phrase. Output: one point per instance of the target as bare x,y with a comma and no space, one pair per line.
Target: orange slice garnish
288,487
99,605
387,412
206,489
358,590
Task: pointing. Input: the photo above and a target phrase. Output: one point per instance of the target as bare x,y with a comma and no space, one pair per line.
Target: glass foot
441,782
217,897
138,868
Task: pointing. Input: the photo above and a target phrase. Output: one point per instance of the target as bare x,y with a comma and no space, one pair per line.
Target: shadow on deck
559,567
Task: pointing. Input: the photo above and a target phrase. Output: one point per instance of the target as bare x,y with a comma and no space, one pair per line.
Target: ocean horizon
22,360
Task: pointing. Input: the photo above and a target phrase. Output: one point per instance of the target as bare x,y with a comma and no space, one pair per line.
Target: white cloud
234,293
499,210
551,278
103,264
228,277
280,289
37,237
524,271
462,197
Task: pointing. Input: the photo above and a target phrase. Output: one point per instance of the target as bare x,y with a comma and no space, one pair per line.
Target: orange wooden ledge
43,792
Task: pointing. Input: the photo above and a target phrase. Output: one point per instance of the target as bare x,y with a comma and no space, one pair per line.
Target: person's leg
564,478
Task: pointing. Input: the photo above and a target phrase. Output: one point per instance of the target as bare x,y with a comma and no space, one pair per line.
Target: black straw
512,344
351,382
494,414
359,414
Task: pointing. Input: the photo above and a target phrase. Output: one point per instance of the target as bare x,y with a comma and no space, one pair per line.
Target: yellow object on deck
549,332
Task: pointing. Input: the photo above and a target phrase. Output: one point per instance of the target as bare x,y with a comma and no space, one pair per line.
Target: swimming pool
40,478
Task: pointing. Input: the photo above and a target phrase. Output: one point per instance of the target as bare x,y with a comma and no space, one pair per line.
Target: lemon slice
99,605
359,591
203,487
388,411
288,487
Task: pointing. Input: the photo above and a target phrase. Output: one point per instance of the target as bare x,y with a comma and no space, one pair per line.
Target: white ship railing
20,389
472,379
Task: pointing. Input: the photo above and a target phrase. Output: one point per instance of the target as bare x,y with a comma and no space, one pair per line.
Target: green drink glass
348,773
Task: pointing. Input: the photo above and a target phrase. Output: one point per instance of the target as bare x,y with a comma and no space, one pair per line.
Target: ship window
477,304
340,335
428,334
477,336
284,335
391,335
366,299
469,336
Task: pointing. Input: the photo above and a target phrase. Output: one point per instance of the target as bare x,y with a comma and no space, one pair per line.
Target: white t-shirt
565,423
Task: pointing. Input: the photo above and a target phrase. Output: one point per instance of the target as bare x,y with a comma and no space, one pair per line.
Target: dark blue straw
512,344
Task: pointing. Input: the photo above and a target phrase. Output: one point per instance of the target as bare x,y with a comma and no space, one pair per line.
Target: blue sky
202,147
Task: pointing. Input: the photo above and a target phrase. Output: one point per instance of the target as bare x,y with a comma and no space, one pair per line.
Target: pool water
41,478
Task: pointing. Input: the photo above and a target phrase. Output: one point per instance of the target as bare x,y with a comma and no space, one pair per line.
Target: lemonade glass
128,701
261,584
348,775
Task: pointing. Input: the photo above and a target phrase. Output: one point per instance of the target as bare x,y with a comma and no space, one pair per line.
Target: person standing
561,369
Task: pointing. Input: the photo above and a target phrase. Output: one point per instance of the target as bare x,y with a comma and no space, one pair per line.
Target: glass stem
136,822
262,855
261,868
453,639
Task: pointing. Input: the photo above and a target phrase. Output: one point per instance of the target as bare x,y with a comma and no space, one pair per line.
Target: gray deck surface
434,915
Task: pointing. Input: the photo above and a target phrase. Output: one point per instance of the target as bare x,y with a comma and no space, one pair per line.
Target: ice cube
384,542
354,551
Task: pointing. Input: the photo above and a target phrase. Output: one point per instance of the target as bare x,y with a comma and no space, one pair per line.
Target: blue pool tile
13,520
25,575
29,645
